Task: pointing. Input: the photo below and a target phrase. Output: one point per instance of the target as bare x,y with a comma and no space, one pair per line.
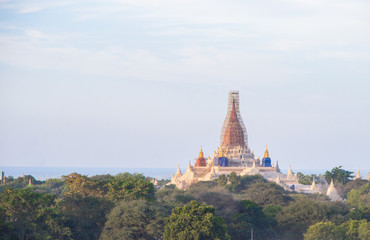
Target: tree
234,181
137,219
30,215
349,230
295,219
359,213
338,175
52,186
306,179
359,198
251,216
356,230
82,185
323,231
354,199
219,197
85,216
194,222
271,210
173,197
354,184
265,193
221,180
130,188
19,182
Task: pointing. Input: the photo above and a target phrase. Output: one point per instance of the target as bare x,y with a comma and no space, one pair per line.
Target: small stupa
358,175
189,174
178,172
277,166
201,161
277,181
290,174
332,192
313,185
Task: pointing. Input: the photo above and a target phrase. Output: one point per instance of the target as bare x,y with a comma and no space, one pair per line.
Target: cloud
173,40
24,7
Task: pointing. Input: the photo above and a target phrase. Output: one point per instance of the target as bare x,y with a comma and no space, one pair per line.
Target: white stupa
358,175
332,193
290,174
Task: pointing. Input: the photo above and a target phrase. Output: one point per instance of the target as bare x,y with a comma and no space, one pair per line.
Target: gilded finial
220,152
201,155
266,153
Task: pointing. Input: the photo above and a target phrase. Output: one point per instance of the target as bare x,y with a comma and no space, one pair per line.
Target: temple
235,155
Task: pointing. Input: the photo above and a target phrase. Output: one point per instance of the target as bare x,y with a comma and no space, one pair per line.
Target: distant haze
142,84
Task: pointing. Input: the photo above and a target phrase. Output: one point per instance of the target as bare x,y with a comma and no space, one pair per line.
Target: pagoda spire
358,175
313,185
277,166
233,133
201,155
189,166
178,172
266,153
290,172
332,192
254,164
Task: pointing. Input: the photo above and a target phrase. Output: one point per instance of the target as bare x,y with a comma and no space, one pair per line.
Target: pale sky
145,83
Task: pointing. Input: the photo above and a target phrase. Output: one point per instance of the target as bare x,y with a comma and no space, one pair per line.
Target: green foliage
20,182
194,222
354,184
137,219
294,219
221,180
30,215
271,210
359,213
77,184
130,188
323,231
350,230
338,175
359,198
306,179
219,197
173,197
250,216
85,216
247,181
235,181
354,199
52,186
265,193
80,205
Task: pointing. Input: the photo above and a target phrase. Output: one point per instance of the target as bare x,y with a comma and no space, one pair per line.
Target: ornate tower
234,137
233,114
201,161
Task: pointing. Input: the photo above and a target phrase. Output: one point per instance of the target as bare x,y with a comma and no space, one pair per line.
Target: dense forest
129,206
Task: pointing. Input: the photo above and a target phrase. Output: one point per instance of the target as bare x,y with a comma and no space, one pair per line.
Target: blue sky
145,83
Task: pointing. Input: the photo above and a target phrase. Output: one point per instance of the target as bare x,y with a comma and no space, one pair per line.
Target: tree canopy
338,175
194,221
137,219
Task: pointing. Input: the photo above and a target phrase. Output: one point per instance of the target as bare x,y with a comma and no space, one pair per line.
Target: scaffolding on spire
234,103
